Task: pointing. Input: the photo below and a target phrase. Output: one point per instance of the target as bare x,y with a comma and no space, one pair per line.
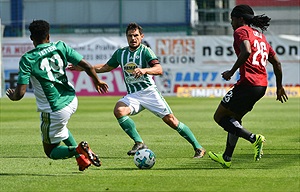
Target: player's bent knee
48,148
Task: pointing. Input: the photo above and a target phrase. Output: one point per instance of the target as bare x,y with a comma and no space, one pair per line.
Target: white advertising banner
199,61
188,61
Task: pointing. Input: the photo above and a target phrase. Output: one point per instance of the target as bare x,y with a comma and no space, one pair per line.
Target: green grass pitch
24,166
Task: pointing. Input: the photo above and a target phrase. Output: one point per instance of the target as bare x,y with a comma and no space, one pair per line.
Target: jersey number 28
260,53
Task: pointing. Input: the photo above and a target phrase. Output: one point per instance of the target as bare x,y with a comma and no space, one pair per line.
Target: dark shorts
241,99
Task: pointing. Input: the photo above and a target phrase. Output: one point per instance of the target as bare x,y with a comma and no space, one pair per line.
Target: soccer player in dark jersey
139,64
45,67
253,52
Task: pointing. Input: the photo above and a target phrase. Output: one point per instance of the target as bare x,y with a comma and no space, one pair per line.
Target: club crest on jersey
129,67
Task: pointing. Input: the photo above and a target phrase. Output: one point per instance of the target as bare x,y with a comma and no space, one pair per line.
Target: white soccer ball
144,159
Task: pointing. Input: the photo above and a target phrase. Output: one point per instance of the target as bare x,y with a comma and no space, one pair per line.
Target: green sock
186,133
128,126
71,142
63,152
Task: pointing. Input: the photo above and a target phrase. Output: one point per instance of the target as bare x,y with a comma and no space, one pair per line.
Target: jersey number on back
53,66
260,53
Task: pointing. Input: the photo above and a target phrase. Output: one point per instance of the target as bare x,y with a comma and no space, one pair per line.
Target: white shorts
150,99
54,125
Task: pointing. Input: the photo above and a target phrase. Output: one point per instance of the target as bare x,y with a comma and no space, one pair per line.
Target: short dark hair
133,26
39,29
245,11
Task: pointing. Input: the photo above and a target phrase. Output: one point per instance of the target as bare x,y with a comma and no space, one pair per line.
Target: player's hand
281,95
10,93
101,87
138,72
227,75
74,67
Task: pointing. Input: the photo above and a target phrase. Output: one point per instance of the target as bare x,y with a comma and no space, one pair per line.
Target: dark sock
230,146
232,126
226,158
252,138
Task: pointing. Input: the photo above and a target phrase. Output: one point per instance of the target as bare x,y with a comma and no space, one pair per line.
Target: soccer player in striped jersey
139,64
253,52
45,67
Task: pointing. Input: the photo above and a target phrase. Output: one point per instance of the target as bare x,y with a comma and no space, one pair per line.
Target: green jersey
129,60
45,66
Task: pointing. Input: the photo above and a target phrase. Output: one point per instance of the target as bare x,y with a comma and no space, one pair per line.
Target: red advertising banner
83,84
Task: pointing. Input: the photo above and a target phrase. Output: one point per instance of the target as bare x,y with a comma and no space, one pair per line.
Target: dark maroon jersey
253,72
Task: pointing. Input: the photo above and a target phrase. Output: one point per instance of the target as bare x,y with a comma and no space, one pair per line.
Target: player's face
134,39
237,22
234,23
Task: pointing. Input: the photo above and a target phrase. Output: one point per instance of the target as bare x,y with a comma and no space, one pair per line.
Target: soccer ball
144,159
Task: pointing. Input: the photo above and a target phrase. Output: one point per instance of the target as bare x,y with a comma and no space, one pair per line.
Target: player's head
39,30
134,35
244,11
244,15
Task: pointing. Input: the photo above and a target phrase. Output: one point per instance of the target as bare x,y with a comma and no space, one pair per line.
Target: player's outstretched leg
186,133
84,149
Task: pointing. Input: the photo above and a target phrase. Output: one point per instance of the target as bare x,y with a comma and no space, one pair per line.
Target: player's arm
245,49
102,68
99,68
155,69
17,93
100,86
281,95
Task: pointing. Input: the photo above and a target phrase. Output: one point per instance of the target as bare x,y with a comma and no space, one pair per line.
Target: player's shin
129,127
70,141
63,152
230,146
232,126
186,133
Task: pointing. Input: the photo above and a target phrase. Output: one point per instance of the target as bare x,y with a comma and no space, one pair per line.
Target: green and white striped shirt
129,60
45,66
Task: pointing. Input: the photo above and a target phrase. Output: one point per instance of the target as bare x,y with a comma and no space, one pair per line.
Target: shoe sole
83,168
94,159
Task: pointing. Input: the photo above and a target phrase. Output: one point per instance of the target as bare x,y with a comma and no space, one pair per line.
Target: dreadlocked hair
245,11
261,21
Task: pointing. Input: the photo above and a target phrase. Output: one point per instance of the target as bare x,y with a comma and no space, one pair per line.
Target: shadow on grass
239,161
268,161
157,169
35,174
17,157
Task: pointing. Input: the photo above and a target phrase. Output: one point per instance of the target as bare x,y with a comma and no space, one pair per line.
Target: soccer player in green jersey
55,96
139,64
